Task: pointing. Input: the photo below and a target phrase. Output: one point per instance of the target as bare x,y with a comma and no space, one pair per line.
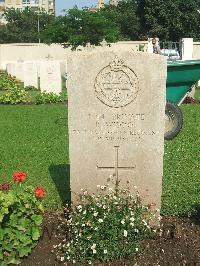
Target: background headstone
50,76
187,48
30,74
9,68
116,103
19,71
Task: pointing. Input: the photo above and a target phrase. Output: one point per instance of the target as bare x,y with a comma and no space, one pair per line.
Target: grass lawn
34,139
197,93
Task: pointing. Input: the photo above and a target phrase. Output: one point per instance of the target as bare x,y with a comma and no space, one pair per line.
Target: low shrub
7,81
105,226
20,219
14,95
30,88
51,97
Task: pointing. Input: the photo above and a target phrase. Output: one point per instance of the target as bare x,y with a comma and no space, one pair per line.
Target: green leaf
24,251
1,234
35,233
37,219
13,260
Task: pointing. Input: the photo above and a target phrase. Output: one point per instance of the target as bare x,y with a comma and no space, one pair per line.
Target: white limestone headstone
116,103
4,64
19,71
9,68
12,69
187,48
50,76
30,74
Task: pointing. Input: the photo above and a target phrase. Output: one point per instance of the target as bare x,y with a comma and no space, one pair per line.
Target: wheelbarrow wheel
173,120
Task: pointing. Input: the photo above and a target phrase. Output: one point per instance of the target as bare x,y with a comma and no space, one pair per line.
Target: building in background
46,5
100,4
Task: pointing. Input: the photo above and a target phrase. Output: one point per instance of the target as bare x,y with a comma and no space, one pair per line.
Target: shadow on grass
61,177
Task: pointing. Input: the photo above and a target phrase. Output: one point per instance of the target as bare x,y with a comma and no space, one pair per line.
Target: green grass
197,93
34,139
181,183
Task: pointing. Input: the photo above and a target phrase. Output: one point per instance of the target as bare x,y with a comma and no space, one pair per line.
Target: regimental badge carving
116,85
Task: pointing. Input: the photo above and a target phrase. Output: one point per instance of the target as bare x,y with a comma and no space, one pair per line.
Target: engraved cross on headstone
116,167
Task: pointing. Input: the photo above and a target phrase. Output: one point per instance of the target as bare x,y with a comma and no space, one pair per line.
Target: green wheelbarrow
181,75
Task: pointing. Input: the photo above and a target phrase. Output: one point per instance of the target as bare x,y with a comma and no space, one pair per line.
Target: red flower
19,176
40,192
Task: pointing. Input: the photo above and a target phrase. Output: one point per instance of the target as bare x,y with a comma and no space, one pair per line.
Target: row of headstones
45,75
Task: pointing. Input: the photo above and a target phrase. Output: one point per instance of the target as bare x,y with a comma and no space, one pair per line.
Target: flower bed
21,216
106,226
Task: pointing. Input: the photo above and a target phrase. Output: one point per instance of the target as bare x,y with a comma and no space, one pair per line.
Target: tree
22,26
169,19
128,19
79,27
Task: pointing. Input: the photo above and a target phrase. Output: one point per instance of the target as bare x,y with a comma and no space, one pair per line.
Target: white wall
196,50
28,52
36,51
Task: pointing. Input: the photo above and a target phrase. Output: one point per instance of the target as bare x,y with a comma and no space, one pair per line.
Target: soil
178,245
190,100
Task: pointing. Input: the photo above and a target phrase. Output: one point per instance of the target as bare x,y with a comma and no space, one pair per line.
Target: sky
66,4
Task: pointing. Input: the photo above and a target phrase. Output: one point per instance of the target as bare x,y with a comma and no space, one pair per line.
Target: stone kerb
116,103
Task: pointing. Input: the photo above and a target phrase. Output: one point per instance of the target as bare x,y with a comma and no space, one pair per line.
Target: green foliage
14,91
14,95
126,18
30,88
20,223
105,226
170,20
51,97
130,20
7,81
22,25
78,27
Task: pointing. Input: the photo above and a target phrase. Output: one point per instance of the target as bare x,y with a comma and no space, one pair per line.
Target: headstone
9,68
50,76
4,64
19,71
30,74
187,48
116,120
